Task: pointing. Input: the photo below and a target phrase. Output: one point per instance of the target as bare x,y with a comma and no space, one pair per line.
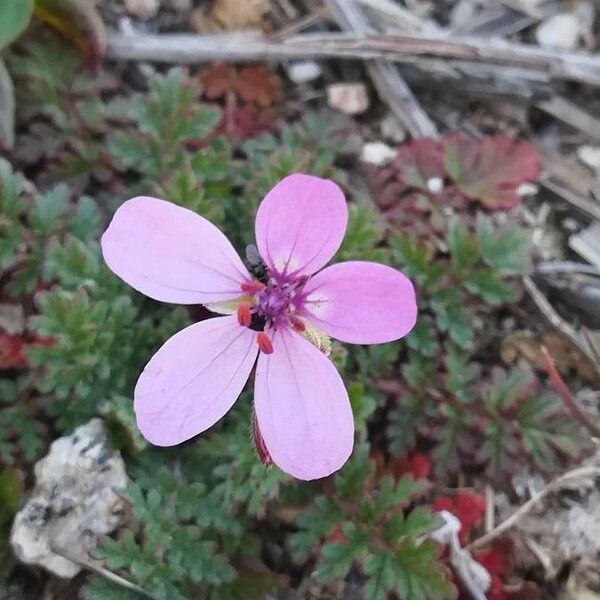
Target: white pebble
350,98
377,153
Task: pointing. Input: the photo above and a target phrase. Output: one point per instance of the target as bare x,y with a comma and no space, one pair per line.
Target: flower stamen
244,315
297,324
264,342
252,287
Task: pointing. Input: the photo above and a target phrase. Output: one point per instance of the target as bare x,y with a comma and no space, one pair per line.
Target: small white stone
562,31
377,153
450,528
73,503
304,71
527,189
350,98
435,185
142,9
589,156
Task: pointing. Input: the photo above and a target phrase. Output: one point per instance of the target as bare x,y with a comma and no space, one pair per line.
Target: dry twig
389,83
563,391
252,46
109,575
558,483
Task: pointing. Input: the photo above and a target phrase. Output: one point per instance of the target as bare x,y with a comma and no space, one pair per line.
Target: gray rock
73,503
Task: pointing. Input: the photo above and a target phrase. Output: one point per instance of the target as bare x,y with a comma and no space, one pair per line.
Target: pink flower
303,415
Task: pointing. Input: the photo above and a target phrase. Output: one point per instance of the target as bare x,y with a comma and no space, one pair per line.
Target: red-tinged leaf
218,80
490,169
496,589
241,123
443,503
499,558
11,352
467,508
470,508
252,84
258,85
417,465
420,161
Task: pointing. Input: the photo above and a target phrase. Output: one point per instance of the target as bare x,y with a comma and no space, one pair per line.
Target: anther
244,315
252,287
297,324
264,342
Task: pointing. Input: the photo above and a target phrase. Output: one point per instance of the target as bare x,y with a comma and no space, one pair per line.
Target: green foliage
363,236
486,427
454,286
161,149
71,108
20,434
366,523
200,512
14,16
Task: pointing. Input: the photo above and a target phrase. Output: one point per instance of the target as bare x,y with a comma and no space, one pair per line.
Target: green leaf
506,249
11,494
380,569
363,405
415,258
362,236
462,246
452,317
490,287
337,558
85,222
404,423
7,106
48,210
423,338
14,16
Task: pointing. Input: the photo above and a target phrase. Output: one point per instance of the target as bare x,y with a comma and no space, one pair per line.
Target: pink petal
361,302
193,380
171,253
300,224
302,408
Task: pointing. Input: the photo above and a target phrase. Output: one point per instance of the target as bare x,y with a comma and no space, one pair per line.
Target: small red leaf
217,80
490,169
418,465
258,85
419,162
467,508
11,352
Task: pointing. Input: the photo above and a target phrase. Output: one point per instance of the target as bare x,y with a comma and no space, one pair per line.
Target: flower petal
171,253
300,224
302,408
361,302
193,380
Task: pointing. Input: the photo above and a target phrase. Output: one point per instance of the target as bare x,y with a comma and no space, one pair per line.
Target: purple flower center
278,301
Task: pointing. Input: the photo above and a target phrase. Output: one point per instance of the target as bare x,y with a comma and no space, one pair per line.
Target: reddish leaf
258,85
420,161
11,352
253,84
470,509
417,465
490,169
443,503
217,80
499,559
467,508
